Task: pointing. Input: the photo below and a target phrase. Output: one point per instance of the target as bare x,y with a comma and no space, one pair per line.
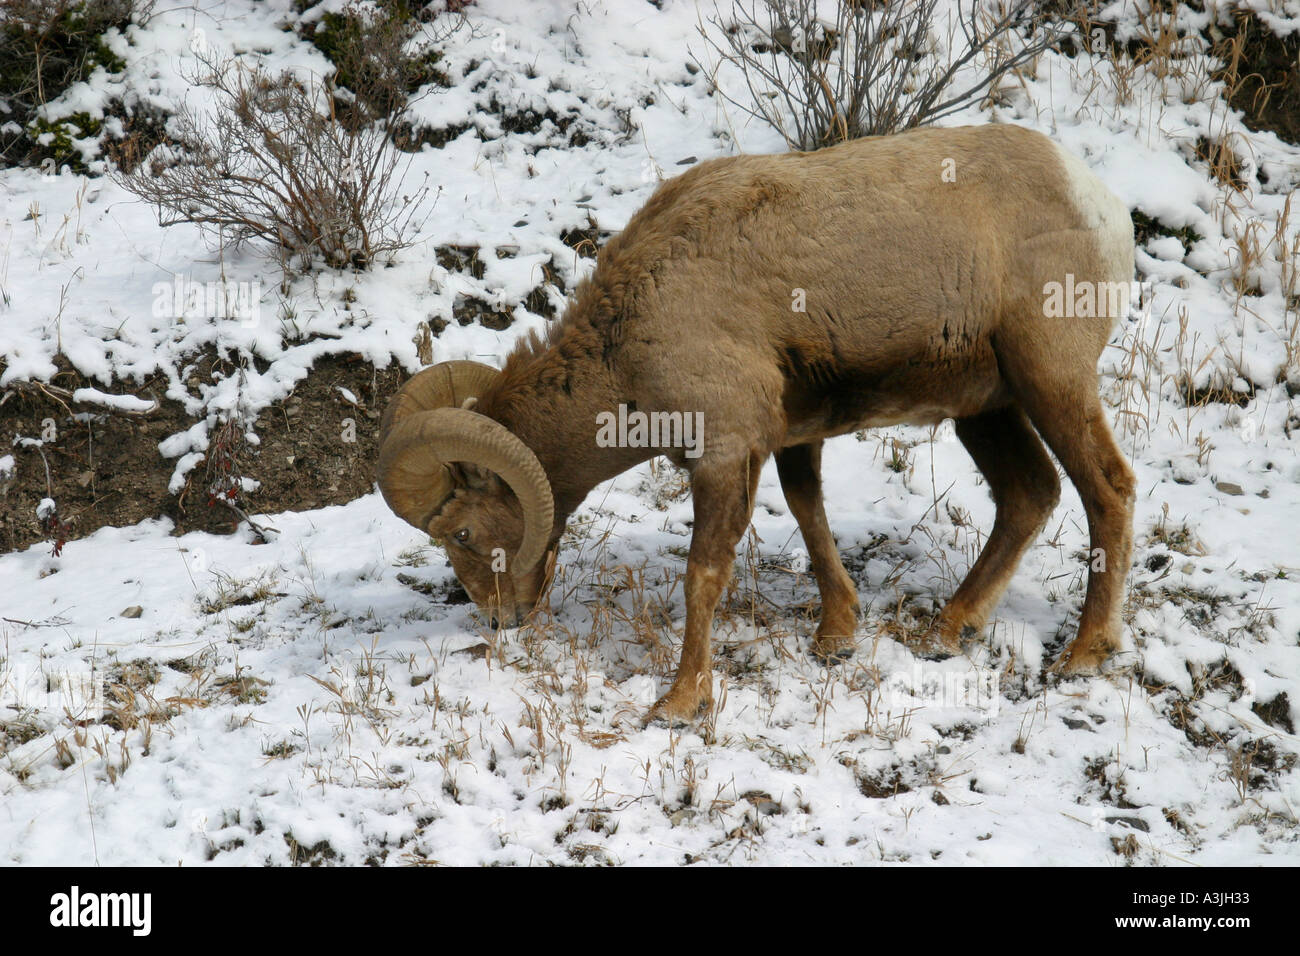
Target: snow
124,403
314,689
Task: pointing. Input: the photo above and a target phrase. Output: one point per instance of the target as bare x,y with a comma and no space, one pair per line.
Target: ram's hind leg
1067,411
1025,489
723,497
800,469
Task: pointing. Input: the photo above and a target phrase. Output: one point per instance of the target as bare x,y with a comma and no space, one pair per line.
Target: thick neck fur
552,388
549,395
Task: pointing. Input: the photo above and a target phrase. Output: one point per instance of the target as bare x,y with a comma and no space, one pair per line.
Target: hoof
1077,661
934,648
943,640
832,649
832,654
677,710
937,652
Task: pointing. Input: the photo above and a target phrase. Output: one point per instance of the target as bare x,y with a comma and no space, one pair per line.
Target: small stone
1229,488
1133,823
133,611
762,802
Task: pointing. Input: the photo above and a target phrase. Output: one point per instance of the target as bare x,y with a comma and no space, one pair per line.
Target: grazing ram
922,262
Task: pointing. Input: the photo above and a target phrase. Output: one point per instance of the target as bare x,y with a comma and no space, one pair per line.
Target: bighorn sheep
922,261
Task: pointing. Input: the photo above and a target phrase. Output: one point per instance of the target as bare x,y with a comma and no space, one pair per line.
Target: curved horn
444,385
422,488
413,468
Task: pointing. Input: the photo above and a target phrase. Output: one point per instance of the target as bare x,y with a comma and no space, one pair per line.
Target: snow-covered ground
316,699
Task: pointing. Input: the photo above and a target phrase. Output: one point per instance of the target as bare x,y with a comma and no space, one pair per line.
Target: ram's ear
469,475
461,473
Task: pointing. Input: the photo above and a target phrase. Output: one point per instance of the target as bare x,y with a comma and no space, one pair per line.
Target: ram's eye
462,535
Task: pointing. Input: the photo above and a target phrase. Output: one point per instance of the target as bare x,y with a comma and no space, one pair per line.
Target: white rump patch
1105,214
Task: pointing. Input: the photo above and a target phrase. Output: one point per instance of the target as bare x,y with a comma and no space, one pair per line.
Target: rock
1229,488
1133,823
133,611
684,815
762,802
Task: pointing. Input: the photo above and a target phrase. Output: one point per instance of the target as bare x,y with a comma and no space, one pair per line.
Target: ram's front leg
723,496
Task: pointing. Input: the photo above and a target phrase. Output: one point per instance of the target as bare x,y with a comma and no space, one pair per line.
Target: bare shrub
271,161
877,67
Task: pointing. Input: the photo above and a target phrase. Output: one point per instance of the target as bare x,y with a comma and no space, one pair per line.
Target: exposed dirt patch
586,240
143,128
105,469
1261,68
461,259
319,854
534,121
883,784
1146,227
1276,712
469,309
1269,67
410,138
